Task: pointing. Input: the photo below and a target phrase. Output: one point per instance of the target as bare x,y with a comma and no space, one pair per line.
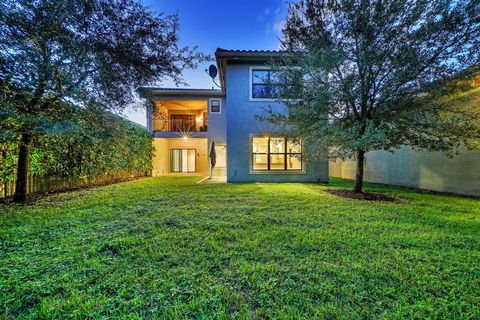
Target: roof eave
221,73
148,92
248,55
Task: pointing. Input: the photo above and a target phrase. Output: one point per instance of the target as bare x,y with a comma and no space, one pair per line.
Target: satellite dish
212,71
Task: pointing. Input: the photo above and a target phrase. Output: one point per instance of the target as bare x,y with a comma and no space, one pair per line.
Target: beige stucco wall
161,157
418,169
160,161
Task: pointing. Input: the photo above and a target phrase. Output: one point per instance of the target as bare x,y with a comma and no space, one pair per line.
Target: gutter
149,92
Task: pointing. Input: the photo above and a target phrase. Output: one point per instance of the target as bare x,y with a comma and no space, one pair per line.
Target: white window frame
210,106
250,83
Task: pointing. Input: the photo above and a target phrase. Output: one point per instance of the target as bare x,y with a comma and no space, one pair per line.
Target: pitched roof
220,52
245,51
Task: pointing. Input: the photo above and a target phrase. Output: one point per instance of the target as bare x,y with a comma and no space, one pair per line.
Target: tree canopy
363,75
56,55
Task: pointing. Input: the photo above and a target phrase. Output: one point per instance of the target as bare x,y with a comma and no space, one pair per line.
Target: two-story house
185,122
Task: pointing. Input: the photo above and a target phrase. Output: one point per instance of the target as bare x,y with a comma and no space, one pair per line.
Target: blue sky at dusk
208,24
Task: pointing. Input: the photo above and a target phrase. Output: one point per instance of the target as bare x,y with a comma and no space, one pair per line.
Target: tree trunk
20,195
5,184
359,174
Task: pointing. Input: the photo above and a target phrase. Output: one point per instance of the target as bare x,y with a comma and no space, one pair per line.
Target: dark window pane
263,84
263,76
215,106
260,76
263,91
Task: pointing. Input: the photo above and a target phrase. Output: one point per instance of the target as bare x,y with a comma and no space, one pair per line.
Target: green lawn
169,248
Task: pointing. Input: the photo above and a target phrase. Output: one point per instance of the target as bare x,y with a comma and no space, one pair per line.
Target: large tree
375,74
55,54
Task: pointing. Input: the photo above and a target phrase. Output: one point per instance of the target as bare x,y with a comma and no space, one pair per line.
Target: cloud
276,19
264,15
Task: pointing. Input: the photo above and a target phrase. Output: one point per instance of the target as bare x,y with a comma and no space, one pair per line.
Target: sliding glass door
183,160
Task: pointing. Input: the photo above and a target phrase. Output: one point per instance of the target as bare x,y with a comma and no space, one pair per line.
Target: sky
228,24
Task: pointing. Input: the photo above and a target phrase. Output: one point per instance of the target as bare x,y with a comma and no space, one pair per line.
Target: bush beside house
110,149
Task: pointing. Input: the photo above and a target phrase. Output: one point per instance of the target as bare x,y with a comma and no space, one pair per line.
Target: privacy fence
418,169
44,184
88,155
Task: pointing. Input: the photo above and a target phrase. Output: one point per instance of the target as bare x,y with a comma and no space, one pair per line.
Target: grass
169,248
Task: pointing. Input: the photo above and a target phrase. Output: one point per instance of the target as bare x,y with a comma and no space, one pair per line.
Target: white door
221,153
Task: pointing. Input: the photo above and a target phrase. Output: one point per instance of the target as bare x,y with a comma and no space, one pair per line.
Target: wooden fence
43,184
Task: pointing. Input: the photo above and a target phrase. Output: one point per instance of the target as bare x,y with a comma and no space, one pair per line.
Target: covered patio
180,156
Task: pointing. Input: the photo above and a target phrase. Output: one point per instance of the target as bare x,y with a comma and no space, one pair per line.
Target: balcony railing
179,125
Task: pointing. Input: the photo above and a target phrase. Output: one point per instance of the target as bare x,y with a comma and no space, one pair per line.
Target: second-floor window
215,106
263,84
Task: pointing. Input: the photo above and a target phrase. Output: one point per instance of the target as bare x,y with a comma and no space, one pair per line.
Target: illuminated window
276,154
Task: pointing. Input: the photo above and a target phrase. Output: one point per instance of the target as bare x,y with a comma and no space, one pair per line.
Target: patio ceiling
182,104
